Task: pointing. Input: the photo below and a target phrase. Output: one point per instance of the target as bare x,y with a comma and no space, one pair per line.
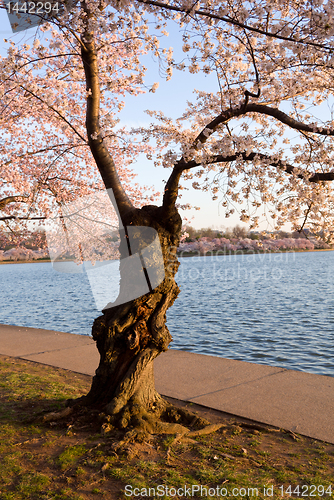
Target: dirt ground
74,458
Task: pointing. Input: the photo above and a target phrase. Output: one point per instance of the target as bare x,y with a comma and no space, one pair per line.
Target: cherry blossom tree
255,141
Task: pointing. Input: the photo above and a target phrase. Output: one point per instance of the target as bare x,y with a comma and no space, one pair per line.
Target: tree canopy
265,136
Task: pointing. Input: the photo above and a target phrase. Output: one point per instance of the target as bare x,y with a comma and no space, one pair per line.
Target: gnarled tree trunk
131,335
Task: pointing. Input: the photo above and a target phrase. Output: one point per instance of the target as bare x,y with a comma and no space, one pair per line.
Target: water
274,309
38,296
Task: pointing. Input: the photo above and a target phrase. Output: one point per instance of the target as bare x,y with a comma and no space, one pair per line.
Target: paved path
292,400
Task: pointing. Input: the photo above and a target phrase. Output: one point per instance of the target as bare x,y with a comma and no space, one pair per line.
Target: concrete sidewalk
292,400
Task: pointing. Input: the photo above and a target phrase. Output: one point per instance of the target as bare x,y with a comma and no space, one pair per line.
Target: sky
171,98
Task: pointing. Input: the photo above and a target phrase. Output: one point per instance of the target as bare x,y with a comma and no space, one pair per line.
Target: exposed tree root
209,429
53,416
171,421
136,423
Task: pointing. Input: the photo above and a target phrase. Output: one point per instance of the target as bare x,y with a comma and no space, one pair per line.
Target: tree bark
131,335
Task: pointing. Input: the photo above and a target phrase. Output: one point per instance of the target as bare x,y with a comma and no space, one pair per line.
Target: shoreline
221,253
210,253
38,261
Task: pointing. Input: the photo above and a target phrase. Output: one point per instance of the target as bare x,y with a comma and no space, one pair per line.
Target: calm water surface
275,309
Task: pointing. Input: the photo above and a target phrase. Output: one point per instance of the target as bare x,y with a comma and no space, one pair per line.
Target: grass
72,460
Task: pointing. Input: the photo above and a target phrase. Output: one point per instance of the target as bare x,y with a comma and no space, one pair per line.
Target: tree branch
287,120
227,115
43,150
172,186
290,169
56,111
39,59
305,218
12,199
14,217
103,159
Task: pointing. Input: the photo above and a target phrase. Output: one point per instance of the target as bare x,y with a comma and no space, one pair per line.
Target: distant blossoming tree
225,245
256,140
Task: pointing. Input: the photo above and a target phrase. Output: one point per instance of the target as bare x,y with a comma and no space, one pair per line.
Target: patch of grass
120,473
67,494
254,443
45,461
70,456
32,483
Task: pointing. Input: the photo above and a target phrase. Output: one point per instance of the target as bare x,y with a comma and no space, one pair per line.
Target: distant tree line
32,240
208,240
19,246
240,232
33,245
